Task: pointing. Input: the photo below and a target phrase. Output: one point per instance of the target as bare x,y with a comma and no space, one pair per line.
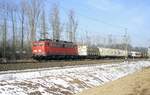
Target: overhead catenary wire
89,17
95,19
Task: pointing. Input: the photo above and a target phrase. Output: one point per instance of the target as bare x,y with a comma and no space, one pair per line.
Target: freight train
54,49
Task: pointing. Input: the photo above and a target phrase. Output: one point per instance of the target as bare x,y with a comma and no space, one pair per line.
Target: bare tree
88,38
12,10
4,36
33,10
72,26
55,23
43,26
4,14
22,20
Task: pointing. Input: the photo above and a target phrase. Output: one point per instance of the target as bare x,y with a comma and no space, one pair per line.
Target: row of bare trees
24,22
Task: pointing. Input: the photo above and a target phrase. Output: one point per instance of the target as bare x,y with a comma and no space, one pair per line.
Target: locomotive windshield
40,44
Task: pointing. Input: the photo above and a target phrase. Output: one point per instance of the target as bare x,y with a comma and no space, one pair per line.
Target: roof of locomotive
50,40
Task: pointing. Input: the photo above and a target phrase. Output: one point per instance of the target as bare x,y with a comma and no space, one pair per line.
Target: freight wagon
111,53
134,54
85,51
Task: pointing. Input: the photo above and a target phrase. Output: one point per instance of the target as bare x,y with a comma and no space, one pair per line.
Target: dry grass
135,84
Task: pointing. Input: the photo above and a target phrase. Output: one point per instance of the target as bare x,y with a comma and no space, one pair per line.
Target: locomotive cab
53,49
38,48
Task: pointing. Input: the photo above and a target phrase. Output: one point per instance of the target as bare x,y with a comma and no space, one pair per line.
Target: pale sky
103,17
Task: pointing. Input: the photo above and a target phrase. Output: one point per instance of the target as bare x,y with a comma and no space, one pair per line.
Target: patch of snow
64,81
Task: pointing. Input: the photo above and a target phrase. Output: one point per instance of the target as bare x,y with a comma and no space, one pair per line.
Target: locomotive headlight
34,50
39,50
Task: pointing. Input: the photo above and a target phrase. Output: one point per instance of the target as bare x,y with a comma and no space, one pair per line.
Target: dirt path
135,84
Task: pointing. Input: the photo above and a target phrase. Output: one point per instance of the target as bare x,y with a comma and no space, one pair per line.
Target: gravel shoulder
135,84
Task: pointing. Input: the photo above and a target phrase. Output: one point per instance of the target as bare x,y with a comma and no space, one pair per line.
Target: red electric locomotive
54,49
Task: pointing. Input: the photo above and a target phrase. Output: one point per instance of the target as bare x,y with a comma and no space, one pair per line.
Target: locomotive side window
66,46
50,44
46,44
55,45
40,44
63,45
69,46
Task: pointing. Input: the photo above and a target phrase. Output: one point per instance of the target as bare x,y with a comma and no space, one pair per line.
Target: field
135,84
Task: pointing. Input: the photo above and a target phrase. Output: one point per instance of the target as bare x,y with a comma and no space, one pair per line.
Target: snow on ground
65,80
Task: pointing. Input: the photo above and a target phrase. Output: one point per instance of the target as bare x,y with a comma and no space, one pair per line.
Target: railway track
55,63
58,68
45,69
67,60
